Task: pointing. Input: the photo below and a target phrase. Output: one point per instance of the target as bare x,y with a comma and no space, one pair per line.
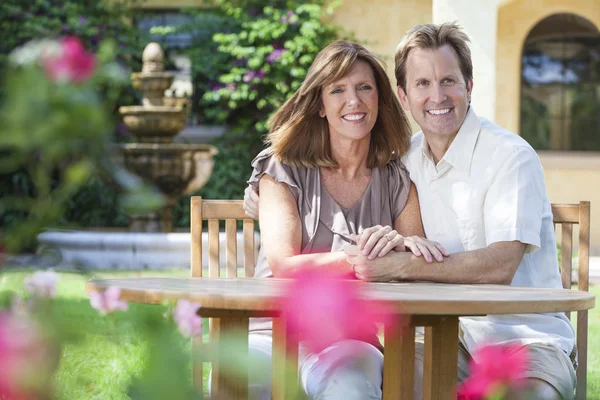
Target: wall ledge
574,160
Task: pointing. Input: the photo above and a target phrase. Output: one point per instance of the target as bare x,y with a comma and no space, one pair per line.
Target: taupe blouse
323,219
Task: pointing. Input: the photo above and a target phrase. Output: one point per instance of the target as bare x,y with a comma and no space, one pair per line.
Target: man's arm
495,264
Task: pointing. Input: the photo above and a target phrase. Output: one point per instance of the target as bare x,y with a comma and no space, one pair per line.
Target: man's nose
437,94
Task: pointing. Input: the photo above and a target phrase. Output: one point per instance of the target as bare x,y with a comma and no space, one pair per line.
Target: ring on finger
390,236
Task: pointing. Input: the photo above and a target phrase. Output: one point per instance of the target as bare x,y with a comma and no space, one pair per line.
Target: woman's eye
366,87
335,91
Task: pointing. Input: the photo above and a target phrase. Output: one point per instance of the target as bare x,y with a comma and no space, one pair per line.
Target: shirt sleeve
515,201
266,163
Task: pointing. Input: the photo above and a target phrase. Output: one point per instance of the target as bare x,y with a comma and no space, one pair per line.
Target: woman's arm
281,232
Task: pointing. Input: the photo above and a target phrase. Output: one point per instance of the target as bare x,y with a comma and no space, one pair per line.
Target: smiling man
483,197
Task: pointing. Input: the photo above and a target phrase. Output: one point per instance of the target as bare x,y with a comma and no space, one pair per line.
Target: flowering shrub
269,55
323,307
496,370
56,126
108,301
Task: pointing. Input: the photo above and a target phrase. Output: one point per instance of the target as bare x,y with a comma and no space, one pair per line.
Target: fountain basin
129,250
155,124
174,168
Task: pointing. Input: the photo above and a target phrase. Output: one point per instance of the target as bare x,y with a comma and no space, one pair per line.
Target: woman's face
350,104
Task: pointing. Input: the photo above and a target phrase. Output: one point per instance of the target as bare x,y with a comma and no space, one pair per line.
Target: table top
253,295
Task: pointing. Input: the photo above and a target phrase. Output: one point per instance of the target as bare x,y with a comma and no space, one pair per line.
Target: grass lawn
103,365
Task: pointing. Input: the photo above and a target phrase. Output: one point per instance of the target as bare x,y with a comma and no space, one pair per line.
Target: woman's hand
426,248
378,241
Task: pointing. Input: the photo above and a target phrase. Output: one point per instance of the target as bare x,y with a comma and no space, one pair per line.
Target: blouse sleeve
399,184
266,163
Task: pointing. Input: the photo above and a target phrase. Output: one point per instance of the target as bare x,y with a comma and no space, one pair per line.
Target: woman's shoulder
396,169
266,162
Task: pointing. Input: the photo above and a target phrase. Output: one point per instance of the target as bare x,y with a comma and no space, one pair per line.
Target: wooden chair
566,215
214,211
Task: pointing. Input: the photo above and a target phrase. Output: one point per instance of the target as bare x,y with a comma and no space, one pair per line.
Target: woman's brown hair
300,137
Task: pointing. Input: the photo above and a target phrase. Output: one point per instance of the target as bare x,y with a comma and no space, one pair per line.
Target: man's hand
384,269
251,202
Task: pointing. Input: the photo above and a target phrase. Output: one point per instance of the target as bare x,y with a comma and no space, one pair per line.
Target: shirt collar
460,152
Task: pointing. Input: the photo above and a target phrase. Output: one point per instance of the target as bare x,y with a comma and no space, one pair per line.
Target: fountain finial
153,58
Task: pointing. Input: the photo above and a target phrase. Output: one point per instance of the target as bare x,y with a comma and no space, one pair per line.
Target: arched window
560,84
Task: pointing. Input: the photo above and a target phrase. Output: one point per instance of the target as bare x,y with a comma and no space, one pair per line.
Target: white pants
349,370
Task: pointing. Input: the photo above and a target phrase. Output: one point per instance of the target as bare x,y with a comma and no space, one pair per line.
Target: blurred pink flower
107,301
323,307
41,284
187,318
26,359
71,64
494,369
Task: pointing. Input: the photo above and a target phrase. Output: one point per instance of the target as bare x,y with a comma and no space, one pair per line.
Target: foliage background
238,80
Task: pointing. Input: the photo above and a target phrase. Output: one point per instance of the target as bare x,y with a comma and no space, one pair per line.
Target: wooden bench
231,212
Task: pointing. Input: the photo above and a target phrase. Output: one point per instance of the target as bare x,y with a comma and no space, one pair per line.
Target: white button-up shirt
489,187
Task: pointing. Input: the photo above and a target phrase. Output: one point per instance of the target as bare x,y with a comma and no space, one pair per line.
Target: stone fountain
174,168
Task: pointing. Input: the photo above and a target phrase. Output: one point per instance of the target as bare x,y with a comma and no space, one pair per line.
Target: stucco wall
570,176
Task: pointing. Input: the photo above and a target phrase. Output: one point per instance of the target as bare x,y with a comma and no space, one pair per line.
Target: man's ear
403,99
469,89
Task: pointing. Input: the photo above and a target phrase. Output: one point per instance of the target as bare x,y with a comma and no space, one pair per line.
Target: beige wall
570,176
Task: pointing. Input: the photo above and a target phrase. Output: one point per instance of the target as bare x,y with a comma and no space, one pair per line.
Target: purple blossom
82,20
290,14
231,87
284,19
274,56
187,318
41,284
108,301
254,74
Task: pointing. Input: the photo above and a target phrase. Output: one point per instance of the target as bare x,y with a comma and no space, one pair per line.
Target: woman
332,176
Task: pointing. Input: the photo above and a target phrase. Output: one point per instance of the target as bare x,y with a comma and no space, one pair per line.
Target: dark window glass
560,85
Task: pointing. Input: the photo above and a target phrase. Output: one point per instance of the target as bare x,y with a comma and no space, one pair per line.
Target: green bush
270,54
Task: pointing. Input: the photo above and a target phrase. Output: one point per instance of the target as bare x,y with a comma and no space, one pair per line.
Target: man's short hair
433,36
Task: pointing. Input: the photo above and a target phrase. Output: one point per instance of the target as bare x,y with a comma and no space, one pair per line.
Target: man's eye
421,83
448,81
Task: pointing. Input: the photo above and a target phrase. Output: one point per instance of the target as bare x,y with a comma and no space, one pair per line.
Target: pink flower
26,359
187,318
323,308
72,63
107,301
41,284
495,369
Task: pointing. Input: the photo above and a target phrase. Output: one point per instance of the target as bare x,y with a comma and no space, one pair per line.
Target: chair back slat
566,259
231,254
567,215
196,236
213,248
249,260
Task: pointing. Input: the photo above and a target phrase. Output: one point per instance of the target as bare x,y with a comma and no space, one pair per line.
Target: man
482,196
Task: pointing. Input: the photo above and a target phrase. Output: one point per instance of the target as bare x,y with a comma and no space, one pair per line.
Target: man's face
436,92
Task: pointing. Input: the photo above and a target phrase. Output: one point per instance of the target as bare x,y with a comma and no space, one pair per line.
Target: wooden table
436,306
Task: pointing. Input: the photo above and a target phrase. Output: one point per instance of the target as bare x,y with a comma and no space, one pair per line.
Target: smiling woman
332,176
